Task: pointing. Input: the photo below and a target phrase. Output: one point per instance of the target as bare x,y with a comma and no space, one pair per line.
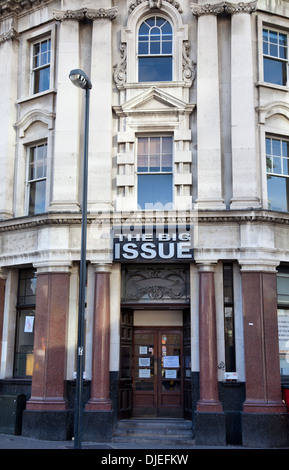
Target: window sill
37,95
272,85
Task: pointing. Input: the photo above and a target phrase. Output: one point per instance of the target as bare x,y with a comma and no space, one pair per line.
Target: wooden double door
158,372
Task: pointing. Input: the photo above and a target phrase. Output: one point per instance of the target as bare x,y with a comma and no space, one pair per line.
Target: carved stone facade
209,131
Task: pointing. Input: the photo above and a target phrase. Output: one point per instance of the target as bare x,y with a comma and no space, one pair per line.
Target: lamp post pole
80,80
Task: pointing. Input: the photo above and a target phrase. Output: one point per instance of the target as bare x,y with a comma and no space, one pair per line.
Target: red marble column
52,298
100,400
2,302
209,395
263,382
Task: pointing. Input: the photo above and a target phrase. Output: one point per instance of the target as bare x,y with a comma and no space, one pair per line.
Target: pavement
14,442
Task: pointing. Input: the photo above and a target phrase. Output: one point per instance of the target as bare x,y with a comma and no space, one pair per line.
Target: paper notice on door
171,374
29,321
143,350
144,361
171,361
144,373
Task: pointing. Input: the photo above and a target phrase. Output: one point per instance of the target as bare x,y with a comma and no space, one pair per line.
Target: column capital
206,266
259,265
44,267
85,13
102,267
218,8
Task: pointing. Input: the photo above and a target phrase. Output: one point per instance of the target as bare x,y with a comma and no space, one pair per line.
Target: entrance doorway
155,364
157,372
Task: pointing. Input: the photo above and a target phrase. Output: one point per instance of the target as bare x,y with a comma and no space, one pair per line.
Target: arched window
155,50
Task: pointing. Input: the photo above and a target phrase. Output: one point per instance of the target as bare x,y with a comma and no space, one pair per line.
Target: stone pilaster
8,97
210,193
245,193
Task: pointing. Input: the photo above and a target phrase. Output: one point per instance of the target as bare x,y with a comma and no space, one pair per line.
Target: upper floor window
155,171
275,55
155,50
277,161
41,53
37,179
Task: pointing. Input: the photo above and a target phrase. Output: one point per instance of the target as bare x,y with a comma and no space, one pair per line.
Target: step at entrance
177,431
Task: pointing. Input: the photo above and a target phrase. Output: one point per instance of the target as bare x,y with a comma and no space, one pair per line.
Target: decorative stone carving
155,284
217,9
154,4
11,34
119,74
189,67
85,13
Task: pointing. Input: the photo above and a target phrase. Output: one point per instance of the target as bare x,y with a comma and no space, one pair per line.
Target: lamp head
80,79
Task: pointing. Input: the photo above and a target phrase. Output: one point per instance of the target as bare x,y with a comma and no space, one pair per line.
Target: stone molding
218,8
16,6
12,34
85,13
110,219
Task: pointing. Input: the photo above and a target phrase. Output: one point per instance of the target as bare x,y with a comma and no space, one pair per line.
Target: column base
210,429
210,204
99,405
251,406
265,430
209,406
245,203
46,404
48,425
97,426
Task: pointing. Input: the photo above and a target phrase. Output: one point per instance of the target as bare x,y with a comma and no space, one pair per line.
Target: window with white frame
155,50
277,162
155,171
275,56
37,170
41,57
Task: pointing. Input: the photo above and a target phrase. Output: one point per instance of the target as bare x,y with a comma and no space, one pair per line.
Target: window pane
154,189
24,344
278,193
37,197
155,69
275,71
41,80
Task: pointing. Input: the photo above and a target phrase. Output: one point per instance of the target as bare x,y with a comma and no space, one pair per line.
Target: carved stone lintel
217,9
9,35
157,4
85,13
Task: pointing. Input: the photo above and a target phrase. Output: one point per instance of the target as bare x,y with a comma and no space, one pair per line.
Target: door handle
156,367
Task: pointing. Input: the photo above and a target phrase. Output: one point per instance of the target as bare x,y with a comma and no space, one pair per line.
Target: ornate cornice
112,219
154,4
85,13
16,7
218,8
9,35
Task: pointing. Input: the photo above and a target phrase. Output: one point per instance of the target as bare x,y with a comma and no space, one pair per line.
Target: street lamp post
79,79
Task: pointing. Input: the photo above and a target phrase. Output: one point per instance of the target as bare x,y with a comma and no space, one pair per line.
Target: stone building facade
187,290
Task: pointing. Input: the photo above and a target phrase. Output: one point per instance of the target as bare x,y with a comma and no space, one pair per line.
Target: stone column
210,419
65,197
100,400
263,384
209,395
46,414
52,300
210,193
245,191
2,304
